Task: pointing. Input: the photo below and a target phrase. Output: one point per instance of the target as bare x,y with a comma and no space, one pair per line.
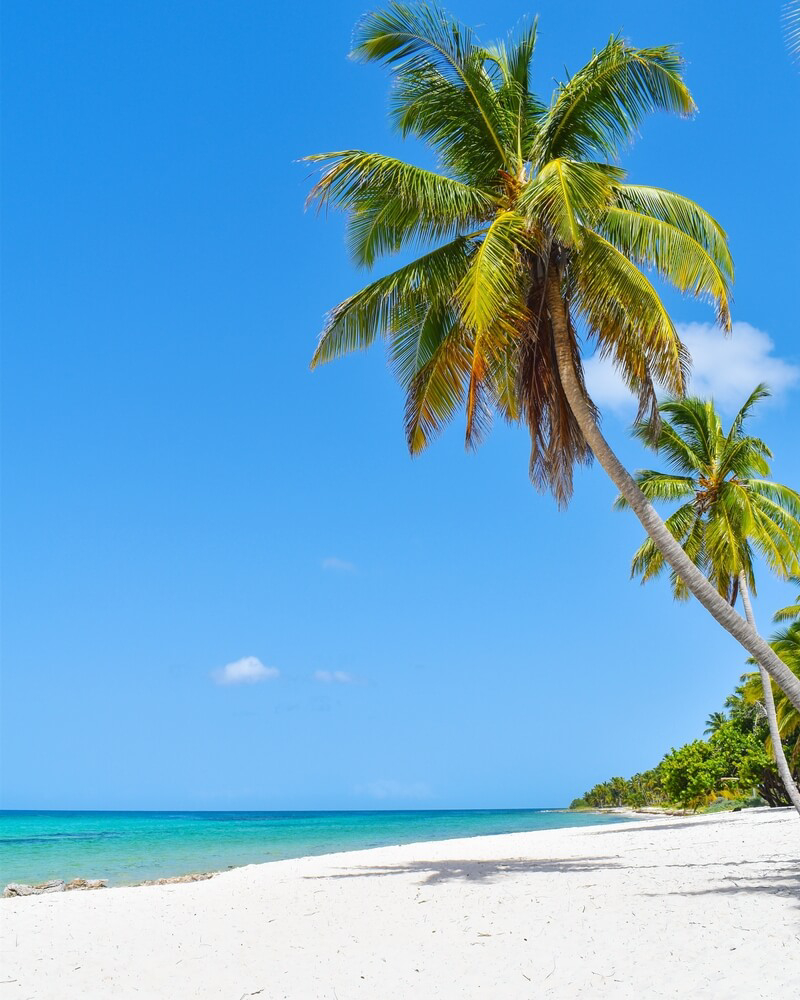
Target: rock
20,889
197,877
87,883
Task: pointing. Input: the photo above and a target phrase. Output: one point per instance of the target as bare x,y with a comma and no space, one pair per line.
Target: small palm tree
528,236
714,722
727,514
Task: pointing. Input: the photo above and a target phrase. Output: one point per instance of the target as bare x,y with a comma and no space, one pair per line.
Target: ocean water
126,847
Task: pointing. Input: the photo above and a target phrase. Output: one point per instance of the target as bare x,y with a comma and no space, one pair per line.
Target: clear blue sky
181,492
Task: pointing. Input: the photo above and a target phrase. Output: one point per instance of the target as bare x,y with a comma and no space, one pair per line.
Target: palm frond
621,308
659,486
417,38
675,255
386,304
568,195
684,214
392,202
600,108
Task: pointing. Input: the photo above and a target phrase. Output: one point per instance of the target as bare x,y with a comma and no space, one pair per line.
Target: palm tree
527,233
727,513
714,722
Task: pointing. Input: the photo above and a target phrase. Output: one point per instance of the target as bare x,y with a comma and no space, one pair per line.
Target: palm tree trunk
769,705
705,593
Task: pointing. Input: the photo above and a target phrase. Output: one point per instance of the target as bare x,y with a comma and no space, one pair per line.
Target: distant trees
733,763
728,513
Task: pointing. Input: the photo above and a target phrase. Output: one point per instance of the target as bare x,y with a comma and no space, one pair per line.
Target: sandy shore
664,907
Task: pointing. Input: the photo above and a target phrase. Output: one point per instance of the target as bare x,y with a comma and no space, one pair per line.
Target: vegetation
527,234
733,766
727,514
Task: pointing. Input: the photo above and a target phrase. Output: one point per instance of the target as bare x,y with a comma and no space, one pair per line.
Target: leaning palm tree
727,514
527,236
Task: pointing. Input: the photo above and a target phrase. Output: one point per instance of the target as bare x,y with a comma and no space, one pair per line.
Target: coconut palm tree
714,722
727,514
526,235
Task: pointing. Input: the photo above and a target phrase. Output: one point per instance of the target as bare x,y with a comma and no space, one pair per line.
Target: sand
685,907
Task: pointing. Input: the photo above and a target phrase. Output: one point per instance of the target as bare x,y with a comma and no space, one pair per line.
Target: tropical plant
713,722
786,642
527,234
727,513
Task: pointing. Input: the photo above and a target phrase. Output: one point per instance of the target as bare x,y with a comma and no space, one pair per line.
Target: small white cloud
248,670
726,369
338,565
387,788
333,677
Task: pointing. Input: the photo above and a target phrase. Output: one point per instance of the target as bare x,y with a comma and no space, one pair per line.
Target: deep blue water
127,847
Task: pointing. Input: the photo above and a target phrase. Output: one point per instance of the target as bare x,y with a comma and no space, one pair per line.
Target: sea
129,847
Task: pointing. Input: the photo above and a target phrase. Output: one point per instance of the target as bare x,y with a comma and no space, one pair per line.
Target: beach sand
666,907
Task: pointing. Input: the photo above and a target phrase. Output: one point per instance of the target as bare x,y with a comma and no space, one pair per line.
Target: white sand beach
664,907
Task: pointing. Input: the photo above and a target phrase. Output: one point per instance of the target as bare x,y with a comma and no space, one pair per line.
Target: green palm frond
435,368
675,255
618,302
660,486
392,202
682,213
600,108
567,195
386,305
414,39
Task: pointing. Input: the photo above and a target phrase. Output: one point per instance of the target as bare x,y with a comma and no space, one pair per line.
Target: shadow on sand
782,878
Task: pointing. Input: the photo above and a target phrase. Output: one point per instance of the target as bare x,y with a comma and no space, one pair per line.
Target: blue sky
182,494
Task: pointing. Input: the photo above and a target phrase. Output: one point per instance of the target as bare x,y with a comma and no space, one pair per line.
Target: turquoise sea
127,847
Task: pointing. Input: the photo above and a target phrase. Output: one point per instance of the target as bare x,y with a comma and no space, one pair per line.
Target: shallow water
126,847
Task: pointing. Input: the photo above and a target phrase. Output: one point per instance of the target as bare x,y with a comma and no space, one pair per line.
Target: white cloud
338,565
248,670
387,788
726,369
333,677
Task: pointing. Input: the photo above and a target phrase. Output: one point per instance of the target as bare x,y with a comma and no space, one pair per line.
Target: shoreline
673,907
92,876
92,884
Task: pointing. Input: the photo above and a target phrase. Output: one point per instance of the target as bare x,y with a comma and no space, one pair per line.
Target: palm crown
727,511
524,190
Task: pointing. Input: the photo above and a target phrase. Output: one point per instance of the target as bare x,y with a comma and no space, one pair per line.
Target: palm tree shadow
743,876
438,872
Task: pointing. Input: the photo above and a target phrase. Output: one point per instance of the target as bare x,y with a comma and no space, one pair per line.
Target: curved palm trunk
769,705
705,593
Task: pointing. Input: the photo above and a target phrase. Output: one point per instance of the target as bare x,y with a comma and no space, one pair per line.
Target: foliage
786,643
728,512
524,196
733,763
